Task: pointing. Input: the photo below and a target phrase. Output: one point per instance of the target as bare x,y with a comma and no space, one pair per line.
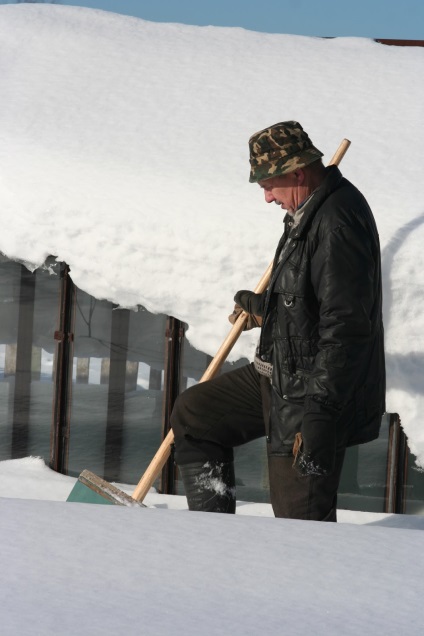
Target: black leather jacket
322,326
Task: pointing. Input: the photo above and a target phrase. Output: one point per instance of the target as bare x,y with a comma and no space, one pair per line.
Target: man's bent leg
208,420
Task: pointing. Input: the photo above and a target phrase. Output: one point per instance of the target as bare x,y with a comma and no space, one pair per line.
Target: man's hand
251,303
314,446
252,321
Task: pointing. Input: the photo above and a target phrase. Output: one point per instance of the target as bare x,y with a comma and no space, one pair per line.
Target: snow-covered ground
70,568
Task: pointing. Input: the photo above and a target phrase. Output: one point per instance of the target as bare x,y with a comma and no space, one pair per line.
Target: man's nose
269,197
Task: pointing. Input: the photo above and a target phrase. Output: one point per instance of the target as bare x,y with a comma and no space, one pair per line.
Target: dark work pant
211,418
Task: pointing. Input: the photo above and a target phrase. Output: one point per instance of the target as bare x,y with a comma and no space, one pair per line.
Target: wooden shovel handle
340,153
164,449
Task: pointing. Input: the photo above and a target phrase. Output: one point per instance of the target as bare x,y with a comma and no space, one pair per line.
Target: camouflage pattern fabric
280,149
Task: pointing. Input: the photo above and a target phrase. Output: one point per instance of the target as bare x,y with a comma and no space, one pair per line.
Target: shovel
92,489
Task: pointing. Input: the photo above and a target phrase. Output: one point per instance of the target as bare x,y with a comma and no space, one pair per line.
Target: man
317,384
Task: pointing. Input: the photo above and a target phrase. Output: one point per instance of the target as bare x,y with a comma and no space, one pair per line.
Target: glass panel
88,406
414,488
144,393
364,475
10,277
29,305
117,392
251,468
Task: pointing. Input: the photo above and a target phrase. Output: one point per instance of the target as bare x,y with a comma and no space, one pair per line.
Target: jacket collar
330,183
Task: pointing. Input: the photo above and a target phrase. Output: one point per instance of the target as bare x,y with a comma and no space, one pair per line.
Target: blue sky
397,19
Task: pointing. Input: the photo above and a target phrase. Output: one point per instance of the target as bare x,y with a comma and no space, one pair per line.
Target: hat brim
265,168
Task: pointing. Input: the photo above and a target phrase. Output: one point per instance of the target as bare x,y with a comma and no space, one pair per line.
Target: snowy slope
69,568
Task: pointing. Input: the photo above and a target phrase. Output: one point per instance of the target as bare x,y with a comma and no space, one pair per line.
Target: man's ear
300,176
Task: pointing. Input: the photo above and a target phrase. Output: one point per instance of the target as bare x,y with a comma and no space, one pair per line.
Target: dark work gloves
249,302
314,447
252,321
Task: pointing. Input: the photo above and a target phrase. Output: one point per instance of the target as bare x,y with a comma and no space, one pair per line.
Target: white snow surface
124,153
93,570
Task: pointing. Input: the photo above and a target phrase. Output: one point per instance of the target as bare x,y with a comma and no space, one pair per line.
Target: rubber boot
210,486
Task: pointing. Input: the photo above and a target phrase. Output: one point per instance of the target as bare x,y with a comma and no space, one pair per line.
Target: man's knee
177,415
186,413
194,436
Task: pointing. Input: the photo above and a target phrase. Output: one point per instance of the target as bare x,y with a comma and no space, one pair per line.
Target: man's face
284,190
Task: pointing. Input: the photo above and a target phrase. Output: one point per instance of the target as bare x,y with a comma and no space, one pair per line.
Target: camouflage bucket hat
280,149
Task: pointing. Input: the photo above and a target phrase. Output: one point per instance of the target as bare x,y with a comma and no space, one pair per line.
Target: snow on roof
124,153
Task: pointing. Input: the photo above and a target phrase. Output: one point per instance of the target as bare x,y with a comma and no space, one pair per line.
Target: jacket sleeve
344,279
343,275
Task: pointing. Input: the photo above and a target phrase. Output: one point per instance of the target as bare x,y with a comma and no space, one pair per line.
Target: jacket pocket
285,421
290,387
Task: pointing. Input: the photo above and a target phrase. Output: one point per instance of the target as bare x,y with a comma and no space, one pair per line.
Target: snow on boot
210,486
